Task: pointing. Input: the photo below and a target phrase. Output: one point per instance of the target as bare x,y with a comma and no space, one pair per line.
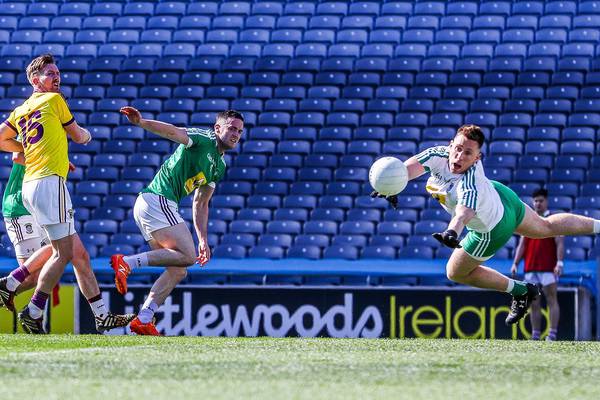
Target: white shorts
153,212
48,200
542,278
26,235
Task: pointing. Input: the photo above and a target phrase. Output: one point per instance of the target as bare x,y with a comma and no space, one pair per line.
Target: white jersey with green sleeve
471,189
189,167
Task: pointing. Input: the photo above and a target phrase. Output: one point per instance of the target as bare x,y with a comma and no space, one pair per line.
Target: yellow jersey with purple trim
40,121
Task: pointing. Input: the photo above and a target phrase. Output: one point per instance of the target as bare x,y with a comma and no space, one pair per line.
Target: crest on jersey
28,228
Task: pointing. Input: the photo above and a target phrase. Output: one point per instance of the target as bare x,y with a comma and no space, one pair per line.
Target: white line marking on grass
81,350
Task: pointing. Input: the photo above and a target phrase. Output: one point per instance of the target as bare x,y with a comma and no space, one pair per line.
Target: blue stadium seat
427,227
242,239
230,251
575,254
332,208
393,240
345,252
317,240
587,202
416,252
304,251
126,187
100,226
290,214
422,240
270,252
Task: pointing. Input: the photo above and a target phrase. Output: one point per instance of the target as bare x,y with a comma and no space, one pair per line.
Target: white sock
136,260
147,312
11,283
35,311
597,226
511,285
99,308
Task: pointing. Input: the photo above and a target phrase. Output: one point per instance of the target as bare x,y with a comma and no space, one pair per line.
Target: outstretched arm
461,218
414,167
450,236
168,131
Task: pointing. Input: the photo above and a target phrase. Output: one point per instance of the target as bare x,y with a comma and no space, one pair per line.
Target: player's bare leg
551,295
562,224
165,242
31,316
24,277
105,320
463,268
176,248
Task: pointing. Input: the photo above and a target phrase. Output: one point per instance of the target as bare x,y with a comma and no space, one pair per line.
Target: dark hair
472,132
230,114
540,192
38,64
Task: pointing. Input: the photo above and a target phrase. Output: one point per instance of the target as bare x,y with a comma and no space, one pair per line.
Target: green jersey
189,167
12,202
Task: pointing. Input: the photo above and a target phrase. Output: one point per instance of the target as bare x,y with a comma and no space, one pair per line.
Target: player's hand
72,167
393,200
86,136
448,238
558,269
513,270
203,254
132,114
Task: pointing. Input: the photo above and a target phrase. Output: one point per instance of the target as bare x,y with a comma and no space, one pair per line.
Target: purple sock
39,299
20,274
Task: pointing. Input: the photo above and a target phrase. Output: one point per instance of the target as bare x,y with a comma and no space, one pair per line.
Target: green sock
516,288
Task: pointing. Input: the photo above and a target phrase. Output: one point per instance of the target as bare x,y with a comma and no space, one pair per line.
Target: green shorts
483,246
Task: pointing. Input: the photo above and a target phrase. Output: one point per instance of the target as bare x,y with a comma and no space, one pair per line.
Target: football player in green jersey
196,166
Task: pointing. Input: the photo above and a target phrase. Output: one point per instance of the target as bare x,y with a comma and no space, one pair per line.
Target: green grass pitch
147,368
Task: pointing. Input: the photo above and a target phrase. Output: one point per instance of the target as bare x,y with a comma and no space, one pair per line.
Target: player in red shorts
543,266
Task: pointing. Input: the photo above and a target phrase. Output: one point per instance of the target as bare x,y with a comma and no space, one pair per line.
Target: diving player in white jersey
490,211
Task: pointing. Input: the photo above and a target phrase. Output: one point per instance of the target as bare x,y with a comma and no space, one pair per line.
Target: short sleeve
434,158
200,137
11,122
467,190
62,110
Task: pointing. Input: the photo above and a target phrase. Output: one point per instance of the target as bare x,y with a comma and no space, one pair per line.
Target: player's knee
63,254
188,259
178,273
453,274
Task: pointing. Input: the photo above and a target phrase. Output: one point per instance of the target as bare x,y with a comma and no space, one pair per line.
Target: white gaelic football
388,176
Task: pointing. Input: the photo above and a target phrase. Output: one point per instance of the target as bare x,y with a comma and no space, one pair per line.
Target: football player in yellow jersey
43,122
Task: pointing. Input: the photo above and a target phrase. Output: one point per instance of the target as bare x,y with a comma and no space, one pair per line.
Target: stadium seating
326,87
